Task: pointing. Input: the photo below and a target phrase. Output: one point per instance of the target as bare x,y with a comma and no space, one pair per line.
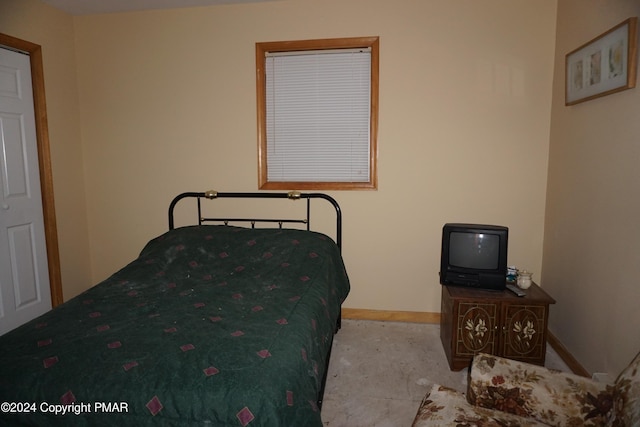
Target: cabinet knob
5,206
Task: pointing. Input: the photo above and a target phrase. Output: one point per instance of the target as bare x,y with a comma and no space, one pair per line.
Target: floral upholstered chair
503,392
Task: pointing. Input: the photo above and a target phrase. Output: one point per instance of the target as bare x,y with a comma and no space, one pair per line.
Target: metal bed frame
292,195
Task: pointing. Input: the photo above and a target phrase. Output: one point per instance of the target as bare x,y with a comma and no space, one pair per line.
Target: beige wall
168,105
592,241
35,22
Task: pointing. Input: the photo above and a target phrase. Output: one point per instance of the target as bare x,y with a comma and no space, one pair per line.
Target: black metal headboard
292,195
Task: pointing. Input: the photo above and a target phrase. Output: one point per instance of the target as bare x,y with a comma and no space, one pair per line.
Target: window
317,114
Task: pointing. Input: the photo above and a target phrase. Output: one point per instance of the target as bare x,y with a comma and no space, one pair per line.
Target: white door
24,276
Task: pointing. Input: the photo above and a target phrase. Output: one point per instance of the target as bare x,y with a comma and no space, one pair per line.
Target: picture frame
604,65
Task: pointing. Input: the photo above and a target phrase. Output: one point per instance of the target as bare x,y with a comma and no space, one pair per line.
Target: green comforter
211,325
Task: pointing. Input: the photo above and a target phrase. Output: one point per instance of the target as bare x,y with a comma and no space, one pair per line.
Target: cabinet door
523,334
476,327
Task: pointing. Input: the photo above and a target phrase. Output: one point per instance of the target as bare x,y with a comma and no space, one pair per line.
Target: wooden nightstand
495,322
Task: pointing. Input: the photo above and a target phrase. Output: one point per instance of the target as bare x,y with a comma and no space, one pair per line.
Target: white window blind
318,110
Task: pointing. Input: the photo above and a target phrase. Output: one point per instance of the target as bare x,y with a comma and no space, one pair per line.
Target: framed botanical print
604,65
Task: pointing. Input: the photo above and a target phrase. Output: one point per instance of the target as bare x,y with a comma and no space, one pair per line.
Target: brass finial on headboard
211,194
293,195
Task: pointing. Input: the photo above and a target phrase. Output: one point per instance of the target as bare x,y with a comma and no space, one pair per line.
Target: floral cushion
446,407
552,397
627,396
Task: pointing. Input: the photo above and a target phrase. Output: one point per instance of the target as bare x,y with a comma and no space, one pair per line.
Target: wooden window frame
305,45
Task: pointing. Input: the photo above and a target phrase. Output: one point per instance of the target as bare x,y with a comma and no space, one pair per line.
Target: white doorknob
5,206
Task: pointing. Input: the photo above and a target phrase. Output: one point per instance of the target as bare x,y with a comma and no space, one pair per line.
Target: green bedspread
211,325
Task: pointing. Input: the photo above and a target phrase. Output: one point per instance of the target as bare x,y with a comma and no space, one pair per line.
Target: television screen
474,255
474,250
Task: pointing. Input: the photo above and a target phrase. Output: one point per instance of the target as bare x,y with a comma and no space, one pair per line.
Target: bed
213,324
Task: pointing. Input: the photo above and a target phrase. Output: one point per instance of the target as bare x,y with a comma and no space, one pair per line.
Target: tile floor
380,371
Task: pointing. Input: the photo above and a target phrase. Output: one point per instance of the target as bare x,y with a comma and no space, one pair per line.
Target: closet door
24,277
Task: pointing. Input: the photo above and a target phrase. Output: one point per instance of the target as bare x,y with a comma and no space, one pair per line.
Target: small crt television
474,255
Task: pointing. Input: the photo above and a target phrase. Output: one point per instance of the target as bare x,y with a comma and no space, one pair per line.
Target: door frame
44,161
